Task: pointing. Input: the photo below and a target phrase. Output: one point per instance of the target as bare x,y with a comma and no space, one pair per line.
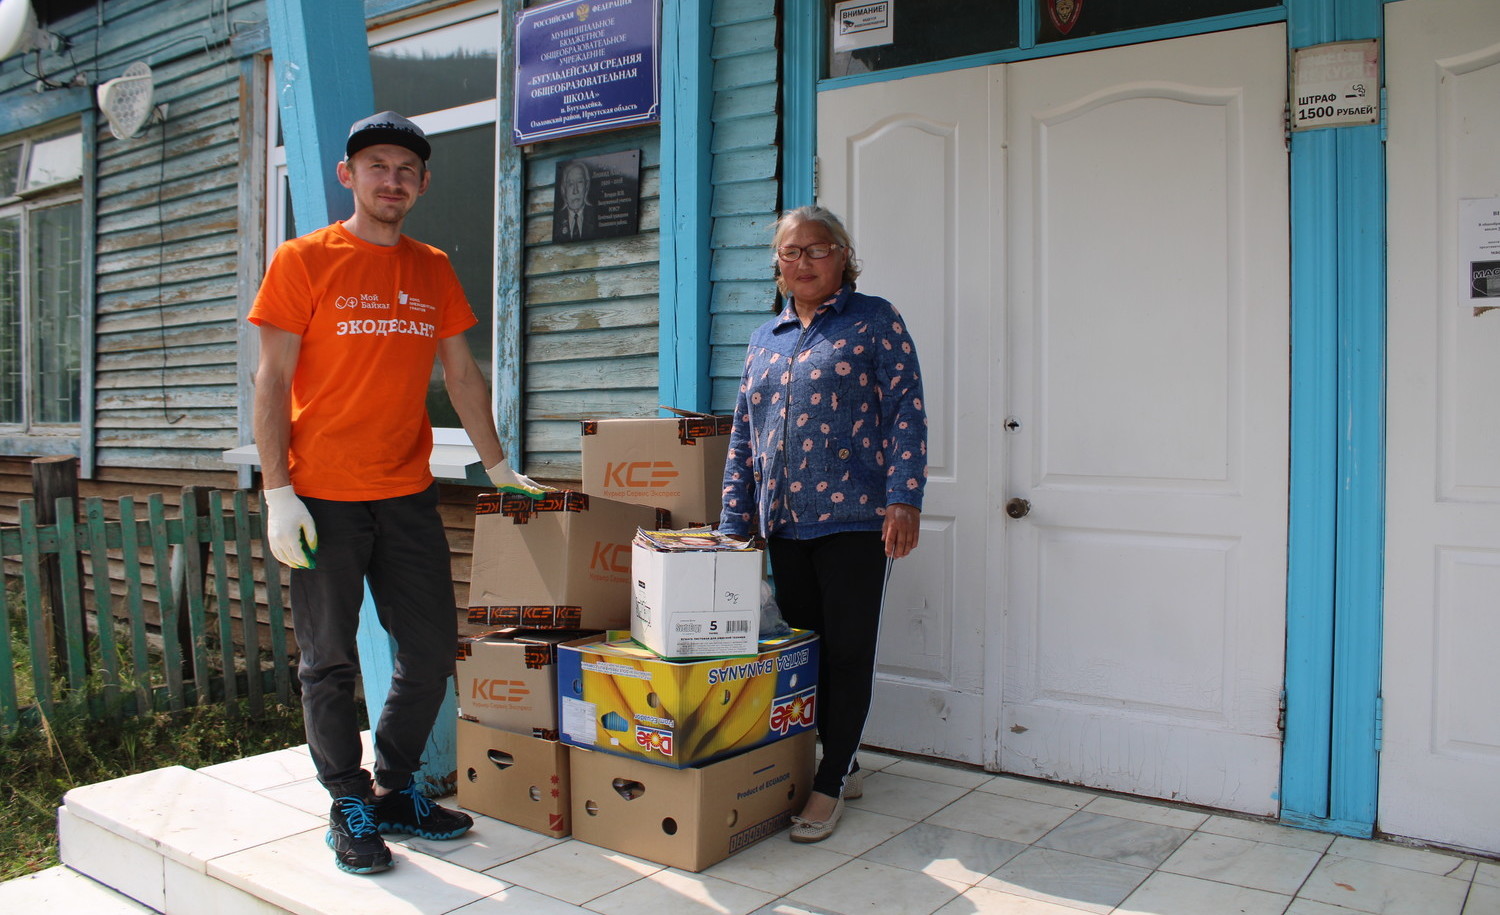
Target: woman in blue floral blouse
827,461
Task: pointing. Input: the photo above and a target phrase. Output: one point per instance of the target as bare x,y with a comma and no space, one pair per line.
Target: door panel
906,165
1441,751
1148,309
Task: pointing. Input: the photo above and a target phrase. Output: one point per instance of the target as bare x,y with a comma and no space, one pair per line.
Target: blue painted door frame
1330,770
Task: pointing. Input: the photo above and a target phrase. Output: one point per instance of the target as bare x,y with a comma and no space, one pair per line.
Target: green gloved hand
507,480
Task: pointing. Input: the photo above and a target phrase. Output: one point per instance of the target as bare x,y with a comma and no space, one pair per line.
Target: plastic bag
772,626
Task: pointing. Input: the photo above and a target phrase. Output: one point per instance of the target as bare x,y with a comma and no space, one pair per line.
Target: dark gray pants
835,585
399,546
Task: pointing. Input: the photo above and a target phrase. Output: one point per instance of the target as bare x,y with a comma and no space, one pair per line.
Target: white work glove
290,529
507,480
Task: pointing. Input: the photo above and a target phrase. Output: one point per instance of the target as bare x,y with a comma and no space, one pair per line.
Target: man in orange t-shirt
351,318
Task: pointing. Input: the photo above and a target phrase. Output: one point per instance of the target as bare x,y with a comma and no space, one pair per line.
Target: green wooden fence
85,639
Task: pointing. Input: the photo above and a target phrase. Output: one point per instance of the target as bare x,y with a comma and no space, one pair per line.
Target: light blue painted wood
322,85
801,62
687,79
1330,765
322,81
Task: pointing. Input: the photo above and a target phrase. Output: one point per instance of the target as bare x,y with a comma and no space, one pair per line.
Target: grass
39,764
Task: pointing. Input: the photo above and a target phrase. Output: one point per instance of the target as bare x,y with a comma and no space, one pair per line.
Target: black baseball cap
387,127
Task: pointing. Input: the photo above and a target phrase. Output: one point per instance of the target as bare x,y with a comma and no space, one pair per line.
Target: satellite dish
126,101
18,29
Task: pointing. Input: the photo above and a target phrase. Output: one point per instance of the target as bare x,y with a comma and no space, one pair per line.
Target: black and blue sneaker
354,838
408,811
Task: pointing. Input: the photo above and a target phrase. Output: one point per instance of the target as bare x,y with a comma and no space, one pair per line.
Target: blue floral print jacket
829,427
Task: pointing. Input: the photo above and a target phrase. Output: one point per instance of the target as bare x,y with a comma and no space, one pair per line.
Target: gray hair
827,220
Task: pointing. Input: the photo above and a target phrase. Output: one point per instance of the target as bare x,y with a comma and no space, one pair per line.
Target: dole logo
652,739
795,712
639,474
607,556
500,690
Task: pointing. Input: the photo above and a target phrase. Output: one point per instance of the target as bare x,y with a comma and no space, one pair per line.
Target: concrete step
247,838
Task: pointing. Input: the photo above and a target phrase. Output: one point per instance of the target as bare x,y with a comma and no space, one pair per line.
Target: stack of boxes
615,687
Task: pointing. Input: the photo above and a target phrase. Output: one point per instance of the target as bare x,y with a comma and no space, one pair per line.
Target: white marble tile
489,844
943,775
1084,883
908,798
1172,894
268,770
307,795
1258,865
677,891
518,900
1001,817
1383,889
298,874
1115,839
941,852
1483,900
574,871
778,865
192,893
1041,792
1487,874
1416,859
61,889
1262,831
858,831
1302,906
863,886
788,907
183,813
875,760
978,900
1147,813
114,860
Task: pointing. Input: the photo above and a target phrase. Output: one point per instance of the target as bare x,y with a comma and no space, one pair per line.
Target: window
442,71
41,282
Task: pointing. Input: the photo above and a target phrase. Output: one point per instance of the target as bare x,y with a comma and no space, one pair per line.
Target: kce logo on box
639,474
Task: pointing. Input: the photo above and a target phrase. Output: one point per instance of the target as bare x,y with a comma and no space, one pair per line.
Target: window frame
30,435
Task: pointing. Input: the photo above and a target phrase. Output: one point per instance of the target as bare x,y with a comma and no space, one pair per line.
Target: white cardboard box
696,604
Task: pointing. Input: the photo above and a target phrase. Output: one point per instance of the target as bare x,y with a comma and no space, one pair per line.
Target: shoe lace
359,814
420,805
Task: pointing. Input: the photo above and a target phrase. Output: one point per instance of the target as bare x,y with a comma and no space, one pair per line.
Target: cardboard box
696,604
676,463
689,818
560,562
507,679
617,696
512,777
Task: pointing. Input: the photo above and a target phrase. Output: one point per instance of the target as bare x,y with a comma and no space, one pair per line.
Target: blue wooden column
686,197
1330,767
322,82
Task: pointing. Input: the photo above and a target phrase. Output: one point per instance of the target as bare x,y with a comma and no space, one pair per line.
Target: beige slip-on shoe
816,830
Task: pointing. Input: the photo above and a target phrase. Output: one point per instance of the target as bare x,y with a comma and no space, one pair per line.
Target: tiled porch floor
247,837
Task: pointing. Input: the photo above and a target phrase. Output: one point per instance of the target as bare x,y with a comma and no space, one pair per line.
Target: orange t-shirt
370,317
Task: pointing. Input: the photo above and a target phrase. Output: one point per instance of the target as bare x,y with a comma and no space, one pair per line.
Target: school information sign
586,66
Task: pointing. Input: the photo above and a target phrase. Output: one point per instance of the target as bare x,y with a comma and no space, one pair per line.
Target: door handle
1018,508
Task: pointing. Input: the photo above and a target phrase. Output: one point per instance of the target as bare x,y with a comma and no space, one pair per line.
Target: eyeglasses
794,252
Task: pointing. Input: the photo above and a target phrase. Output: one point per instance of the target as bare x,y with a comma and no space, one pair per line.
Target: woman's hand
902,524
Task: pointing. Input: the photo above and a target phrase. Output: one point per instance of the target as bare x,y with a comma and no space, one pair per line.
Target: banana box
617,696
689,818
675,463
512,777
559,562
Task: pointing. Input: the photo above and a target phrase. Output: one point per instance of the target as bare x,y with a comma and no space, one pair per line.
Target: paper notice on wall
1479,253
863,25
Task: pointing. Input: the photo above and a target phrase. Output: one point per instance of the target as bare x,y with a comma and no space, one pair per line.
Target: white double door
1440,763
1091,252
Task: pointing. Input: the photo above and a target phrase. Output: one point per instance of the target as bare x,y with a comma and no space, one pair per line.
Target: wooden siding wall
168,241
746,134
590,310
